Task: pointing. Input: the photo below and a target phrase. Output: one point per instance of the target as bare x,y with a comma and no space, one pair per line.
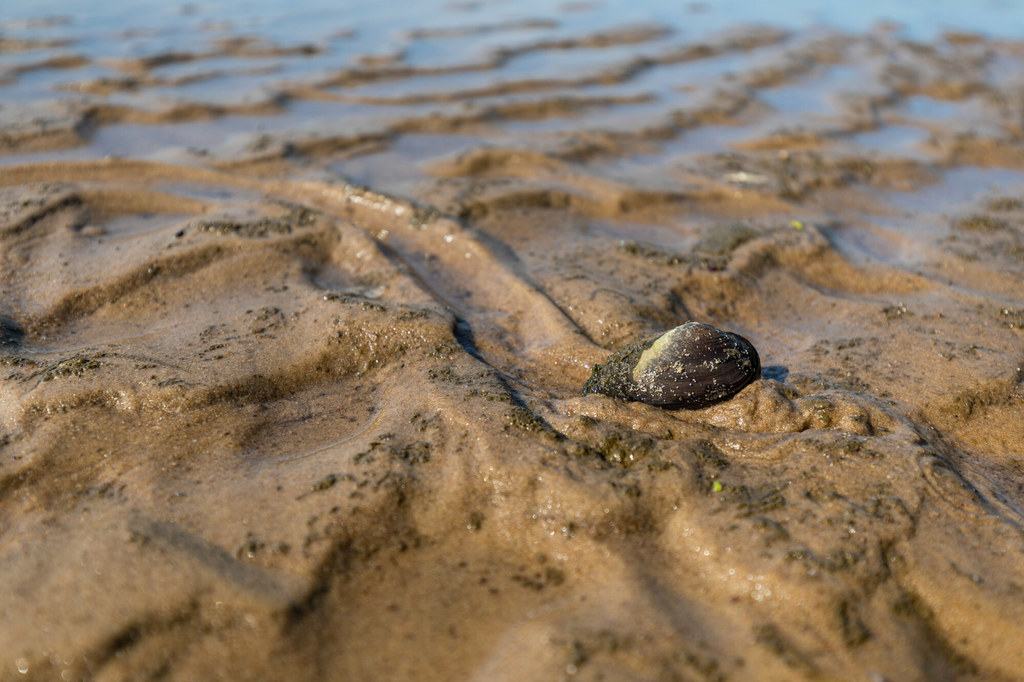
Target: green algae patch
614,377
981,223
623,448
74,366
721,240
522,418
263,227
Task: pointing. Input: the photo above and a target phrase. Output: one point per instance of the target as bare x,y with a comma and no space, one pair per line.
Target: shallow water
296,305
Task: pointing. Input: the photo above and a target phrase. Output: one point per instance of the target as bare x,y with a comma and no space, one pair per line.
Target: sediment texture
304,403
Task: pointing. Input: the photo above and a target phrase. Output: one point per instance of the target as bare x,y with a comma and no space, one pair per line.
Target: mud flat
294,322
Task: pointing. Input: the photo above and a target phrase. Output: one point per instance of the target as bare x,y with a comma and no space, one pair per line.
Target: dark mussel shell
691,366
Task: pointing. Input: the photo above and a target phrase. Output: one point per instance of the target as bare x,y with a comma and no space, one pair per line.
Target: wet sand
293,334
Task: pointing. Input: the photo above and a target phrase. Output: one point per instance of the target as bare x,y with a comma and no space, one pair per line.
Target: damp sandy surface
296,307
